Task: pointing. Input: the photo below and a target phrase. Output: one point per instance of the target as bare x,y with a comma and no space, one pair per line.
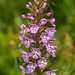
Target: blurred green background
10,20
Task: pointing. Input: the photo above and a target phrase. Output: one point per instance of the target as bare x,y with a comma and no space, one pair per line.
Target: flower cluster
39,41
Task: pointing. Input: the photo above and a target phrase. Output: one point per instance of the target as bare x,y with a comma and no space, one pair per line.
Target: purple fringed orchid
36,53
31,67
34,29
44,38
39,41
42,63
43,21
50,72
28,41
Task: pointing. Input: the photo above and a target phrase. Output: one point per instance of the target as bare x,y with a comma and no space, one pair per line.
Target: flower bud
44,5
23,16
30,3
29,14
37,11
45,0
52,20
32,18
27,6
37,2
49,13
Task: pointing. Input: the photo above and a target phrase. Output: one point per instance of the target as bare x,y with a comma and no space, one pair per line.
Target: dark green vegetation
10,19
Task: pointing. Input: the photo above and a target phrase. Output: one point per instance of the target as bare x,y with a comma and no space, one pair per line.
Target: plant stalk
38,70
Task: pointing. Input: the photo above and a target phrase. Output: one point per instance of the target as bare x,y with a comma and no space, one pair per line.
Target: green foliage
10,19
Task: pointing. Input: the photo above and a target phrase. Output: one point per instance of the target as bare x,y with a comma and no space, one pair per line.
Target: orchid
39,41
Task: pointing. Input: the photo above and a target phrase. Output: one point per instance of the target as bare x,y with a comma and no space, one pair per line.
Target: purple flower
21,51
21,37
52,21
20,59
53,54
50,48
22,26
22,40
28,42
50,31
25,29
34,29
53,25
36,53
43,21
31,67
24,55
42,63
20,44
21,67
44,5
49,13
50,72
23,70
44,38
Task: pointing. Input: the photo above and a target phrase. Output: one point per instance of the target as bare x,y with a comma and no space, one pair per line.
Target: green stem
38,70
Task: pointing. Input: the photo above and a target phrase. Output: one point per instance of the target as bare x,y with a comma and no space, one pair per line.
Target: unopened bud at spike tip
29,14
30,3
44,5
23,16
45,0
27,6
35,1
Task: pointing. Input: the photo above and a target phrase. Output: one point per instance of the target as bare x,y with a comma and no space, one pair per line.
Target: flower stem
38,70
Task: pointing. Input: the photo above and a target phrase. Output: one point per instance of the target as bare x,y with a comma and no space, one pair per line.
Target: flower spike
40,40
